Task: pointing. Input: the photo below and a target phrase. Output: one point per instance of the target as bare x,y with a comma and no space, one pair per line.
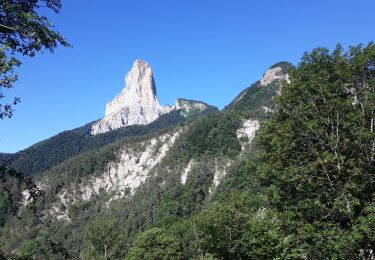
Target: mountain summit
139,89
135,105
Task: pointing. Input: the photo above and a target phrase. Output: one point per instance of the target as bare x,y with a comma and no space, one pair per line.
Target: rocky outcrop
120,178
247,131
274,74
132,168
190,107
272,79
186,171
135,105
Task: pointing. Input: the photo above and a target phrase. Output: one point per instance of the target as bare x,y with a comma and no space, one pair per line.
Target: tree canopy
155,244
317,153
23,31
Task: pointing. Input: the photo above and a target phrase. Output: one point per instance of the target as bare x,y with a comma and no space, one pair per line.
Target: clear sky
206,50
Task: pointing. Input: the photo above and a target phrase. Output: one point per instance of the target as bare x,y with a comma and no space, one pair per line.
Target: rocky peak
190,107
278,71
135,105
276,74
139,89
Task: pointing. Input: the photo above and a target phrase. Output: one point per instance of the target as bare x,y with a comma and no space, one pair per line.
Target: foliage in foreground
23,31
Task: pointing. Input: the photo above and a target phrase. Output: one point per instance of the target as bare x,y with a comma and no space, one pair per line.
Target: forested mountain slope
143,176
133,112
286,171
48,153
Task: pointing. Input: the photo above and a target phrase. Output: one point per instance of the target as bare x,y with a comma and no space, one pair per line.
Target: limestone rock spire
136,104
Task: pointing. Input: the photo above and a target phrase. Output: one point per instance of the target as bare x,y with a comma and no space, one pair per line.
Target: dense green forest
305,189
48,153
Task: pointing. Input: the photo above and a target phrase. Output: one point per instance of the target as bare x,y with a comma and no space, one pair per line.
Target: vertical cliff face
139,89
135,105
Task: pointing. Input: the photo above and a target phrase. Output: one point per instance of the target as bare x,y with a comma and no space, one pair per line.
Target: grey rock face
135,105
274,74
189,107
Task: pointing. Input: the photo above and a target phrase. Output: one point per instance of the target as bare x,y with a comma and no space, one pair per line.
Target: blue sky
206,50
